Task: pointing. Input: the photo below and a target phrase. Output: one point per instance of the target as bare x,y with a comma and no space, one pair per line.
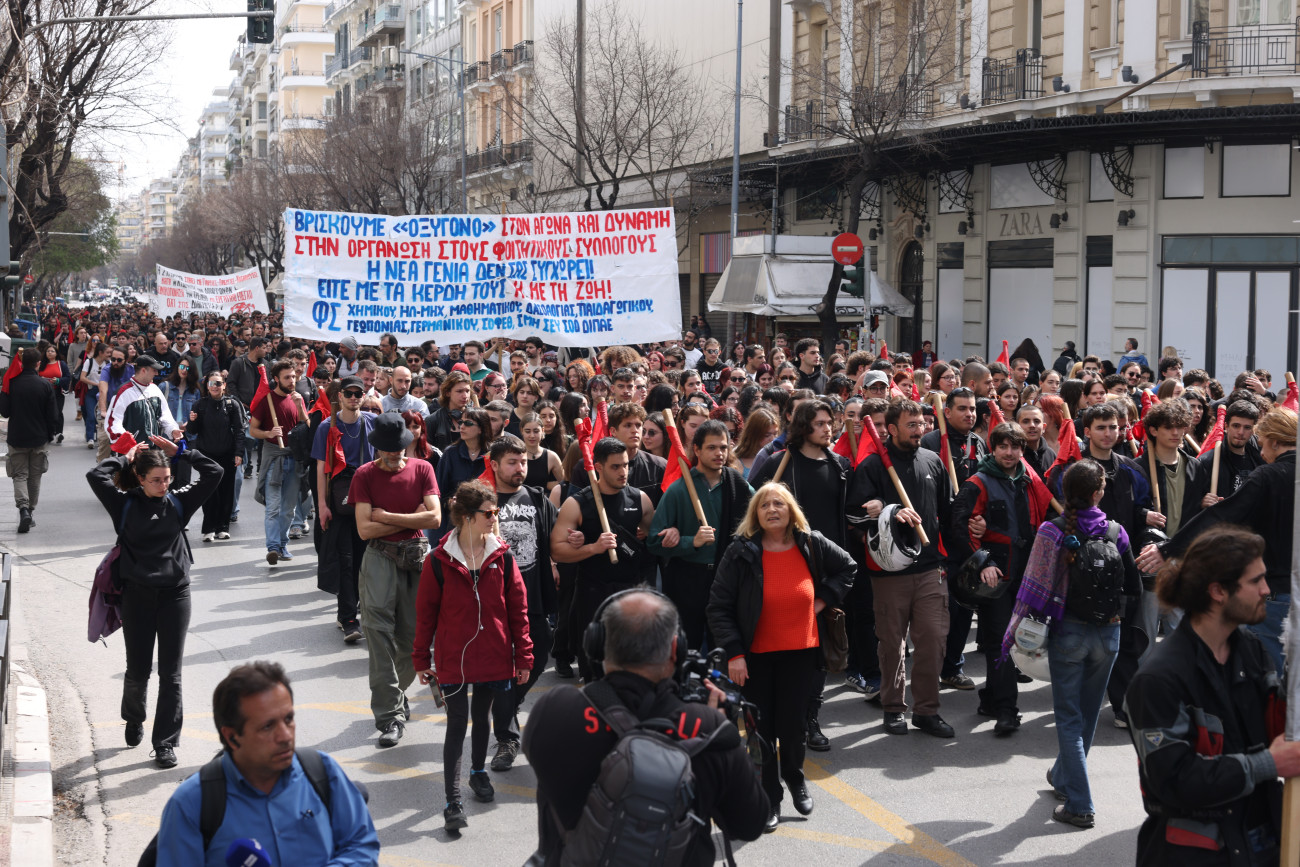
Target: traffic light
14,277
855,280
261,31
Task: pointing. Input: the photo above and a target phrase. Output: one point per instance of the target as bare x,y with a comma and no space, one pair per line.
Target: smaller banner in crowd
573,279
224,294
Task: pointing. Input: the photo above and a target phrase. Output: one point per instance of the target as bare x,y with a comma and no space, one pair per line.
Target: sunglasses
352,392
491,513
787,379
467,423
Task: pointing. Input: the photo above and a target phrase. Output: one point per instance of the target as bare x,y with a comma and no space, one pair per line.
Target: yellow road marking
920,842
135,819
799,833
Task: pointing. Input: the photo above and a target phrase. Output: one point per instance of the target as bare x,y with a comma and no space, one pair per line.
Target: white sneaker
208,537
223,535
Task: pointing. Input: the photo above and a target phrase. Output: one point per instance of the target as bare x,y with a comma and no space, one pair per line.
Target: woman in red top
771,584
56,373
473,609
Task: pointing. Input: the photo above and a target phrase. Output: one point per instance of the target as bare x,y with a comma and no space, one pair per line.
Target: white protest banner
580,279
224,294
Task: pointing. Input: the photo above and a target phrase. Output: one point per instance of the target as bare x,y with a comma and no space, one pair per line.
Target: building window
1197,10
1100,188
1013,187
1257,170
1185,173
497,31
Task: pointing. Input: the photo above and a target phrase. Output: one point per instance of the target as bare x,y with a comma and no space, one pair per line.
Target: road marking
384,770
920,842
840,840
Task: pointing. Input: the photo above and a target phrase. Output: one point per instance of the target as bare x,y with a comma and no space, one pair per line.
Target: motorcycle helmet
1033,664
969,589
893,545
1149,536
1031,635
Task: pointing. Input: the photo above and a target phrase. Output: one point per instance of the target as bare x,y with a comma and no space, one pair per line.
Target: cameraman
565,741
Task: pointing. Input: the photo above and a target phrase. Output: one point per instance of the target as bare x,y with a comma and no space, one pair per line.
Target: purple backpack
106,591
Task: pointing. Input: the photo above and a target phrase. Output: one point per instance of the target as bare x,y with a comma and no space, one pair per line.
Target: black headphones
593,638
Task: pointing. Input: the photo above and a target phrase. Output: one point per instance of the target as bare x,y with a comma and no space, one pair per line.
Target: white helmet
893,544
1033,663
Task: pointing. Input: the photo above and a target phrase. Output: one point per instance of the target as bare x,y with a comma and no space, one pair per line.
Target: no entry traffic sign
846,249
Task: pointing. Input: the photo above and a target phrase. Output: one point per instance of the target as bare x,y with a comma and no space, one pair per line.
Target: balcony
1245,49
497,156
302,76
807,121
1015,78
388,78
523,54
303,121
501,61
360,57
336,64
236,59
306,34
910,99
475,75
389,18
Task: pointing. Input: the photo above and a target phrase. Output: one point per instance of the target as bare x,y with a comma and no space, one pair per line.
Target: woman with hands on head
772,582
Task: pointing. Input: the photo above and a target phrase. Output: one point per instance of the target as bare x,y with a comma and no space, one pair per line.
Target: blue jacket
181,404
291,823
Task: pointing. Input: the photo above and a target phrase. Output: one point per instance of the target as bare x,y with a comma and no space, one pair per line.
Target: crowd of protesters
471,506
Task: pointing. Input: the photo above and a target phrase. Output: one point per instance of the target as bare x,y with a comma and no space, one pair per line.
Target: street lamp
460,80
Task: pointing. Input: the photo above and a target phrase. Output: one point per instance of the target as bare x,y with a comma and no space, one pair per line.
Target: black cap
146,361
351,381
389,433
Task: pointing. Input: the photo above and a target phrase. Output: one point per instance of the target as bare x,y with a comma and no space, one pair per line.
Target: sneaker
1121,720
453,817
1059,794
285,555
504,760
248,474
223,536
234,519
90,444
481,786
1008,723
272,556
209,537
352,633
855,681
957,681
390,734
164,757
295,533
872,690
60,439
933,724
816,740
134,734
564,670
895,724
1078,820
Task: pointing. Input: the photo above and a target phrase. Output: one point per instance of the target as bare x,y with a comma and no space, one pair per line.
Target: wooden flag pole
780,468
943,432
1193,443
853,437
600,510
1214,469
686,477
905,499
1155,479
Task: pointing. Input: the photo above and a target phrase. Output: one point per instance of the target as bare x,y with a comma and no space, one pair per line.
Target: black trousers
781,684
587,596
689,585
959,619
540,632
461,707
150,614
1001,689
349,548
564,645
860,623
217,508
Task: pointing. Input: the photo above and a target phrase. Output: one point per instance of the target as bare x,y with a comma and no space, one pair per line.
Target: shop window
1013,187
1257,170
1185,173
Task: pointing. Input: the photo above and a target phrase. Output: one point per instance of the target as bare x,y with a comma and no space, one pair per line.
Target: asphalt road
977,799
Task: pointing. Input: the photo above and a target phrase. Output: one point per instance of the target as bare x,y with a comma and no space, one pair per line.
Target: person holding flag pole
696,519
274,413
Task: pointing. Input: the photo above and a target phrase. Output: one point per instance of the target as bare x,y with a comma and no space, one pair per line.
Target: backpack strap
601,696
314,767
212,799
1112,533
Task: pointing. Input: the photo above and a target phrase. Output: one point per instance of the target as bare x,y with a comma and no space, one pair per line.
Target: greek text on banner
580,279
223,294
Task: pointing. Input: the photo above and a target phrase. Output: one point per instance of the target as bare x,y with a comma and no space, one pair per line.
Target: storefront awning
789,278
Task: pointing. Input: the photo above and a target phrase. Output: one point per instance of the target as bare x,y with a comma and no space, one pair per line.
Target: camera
700,667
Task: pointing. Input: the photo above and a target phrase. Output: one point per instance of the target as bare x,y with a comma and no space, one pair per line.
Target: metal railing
501,61
6,663
1245,49
359,55
498,155
910,99
335,65
523,52
475,73
805,121
1020,77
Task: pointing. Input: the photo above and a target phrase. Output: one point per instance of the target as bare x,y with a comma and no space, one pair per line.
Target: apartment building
299,99
367,62
250,109
130,214
160,196
214,136
1085,170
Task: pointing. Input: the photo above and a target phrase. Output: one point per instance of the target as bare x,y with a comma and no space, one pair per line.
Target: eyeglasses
491,513
467,423
354,393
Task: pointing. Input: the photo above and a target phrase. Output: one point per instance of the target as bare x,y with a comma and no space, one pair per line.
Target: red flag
335,459
995,415
488,476
600,424
844,450
877,447
1040,496
1216,433
582,430
1292,401
322,404
311,363
884,350
1069,447
15,368
1005,357
673,471
263,389
916,392
124,443
1139,430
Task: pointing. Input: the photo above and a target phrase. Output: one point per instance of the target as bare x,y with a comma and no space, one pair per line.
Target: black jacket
565,743
1190,497
1265,504
925,479
29,406
1228,483
219,429
816,381
154,551
243,379
1128,494
438,428
1202,732
736,601
967,451
1041,458
645,472
799,469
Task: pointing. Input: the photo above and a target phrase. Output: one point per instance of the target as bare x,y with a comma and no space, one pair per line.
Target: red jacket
449,610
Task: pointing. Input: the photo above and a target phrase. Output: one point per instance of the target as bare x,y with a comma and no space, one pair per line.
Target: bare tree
900,62
631,123
62,87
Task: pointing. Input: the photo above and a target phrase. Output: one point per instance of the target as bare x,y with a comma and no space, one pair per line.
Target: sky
196,61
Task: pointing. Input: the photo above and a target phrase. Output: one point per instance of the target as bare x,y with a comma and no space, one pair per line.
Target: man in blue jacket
270,797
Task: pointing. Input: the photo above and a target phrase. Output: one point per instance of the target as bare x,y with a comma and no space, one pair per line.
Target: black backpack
641,808
1096,590
212,798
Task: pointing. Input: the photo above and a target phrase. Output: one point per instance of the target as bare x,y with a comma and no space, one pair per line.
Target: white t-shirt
92,368
693,357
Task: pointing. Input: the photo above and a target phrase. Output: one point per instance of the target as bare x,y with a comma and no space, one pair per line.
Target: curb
32,836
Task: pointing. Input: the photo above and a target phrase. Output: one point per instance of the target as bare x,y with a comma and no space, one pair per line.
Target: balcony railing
1020,77
1245,49
807,121
496,156
475,73
501,61
523,52
910,99
335,65
359,55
